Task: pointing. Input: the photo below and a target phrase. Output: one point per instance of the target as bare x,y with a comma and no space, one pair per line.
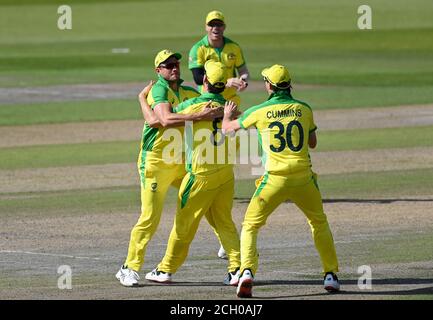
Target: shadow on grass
319,283
396,281
379,201
182,284
342,293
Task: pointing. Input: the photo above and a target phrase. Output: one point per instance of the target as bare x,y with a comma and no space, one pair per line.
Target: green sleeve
159,95
248,119
194,60
183,105
240,123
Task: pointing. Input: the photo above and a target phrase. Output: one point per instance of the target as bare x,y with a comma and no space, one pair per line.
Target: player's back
284,125
206,149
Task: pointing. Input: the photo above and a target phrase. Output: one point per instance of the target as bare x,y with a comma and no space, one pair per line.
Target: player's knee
319,221
252,225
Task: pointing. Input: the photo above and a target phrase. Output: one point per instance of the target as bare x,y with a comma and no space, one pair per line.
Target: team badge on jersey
231,56
153,186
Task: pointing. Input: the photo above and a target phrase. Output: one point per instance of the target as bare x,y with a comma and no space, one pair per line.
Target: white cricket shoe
158,276
331,283
232,278
245,285
127,277
222,253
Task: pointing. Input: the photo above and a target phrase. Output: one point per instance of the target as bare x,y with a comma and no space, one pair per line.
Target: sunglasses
170,65
215,24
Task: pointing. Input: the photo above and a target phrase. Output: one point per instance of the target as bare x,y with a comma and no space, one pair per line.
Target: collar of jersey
206,41
165,82
213,96
280,95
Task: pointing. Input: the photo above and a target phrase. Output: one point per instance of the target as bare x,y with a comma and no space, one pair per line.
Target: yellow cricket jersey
206,149
283,125
230,55
152,144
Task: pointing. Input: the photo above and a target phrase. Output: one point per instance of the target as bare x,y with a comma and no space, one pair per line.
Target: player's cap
164,55
214,15
278,76
215,73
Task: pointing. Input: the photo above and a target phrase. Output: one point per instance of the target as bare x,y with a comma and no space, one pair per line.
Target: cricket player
286,130
214,46
208,187
158,172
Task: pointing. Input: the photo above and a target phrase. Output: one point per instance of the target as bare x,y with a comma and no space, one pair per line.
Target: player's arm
197,74
196,64
240,83
312,140
150,117
230,123
169,119
244,75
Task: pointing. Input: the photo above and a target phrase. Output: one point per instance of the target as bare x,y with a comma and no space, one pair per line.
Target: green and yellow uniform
207,189
157,171
284,125
230,55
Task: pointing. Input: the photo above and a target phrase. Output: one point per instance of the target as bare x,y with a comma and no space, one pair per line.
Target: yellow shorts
212,196
156,177
302,189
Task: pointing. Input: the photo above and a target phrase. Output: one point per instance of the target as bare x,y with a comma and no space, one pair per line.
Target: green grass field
72,111
387,185
333,64
320,44
124,152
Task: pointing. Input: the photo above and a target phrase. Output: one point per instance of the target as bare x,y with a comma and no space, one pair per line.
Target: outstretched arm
162,115
169,119
244,74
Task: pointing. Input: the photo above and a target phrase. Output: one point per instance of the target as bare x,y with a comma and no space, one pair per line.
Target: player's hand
146,90
237,83
244,80
231,110
209,113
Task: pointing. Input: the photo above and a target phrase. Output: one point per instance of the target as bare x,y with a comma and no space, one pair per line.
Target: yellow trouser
156,178
271,191
212,196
